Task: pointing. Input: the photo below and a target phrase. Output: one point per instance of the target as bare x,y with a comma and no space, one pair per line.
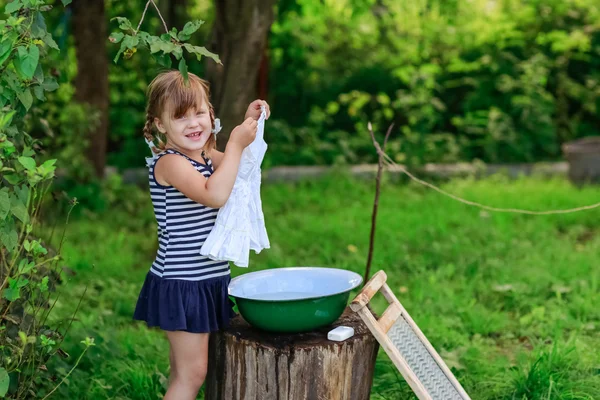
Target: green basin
291,300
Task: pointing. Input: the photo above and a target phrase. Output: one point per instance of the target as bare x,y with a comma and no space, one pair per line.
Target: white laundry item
240,224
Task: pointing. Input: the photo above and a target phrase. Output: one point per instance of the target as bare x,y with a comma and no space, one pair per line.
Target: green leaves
116,37
161,46
13,291
38,27
5,49
189,28
13,6
201,51
26,61
49,41
27,162
19,209
46,170
5,119
66,2
4,382
128,46
4,203
183,69
26,98
124,24
35,248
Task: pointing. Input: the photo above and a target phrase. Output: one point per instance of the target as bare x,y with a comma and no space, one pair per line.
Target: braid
148,127
148,133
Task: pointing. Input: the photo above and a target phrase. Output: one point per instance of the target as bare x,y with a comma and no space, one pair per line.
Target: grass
509,301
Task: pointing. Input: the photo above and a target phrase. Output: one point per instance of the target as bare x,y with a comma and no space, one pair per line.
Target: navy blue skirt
190,306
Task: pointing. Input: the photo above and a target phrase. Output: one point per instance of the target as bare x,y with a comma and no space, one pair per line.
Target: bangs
181,97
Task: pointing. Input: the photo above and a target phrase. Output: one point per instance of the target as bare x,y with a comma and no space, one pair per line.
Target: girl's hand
254,109
244,133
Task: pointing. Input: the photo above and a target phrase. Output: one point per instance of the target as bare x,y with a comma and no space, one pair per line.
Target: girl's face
189,131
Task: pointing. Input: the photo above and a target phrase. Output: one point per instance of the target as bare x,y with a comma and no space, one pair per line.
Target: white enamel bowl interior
297,283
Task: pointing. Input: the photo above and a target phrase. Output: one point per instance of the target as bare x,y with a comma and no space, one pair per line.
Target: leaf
25,267
9,239
163,60
66,2
50,84
27,60
4,203
13,179
165,46
12,7
178,52
38,91
189,28
47,169
183,69
131,41
19,209
124,23
26,98
44,284
11,294
27,162
19,283
5,119
22,193
38,26
201,51
4,382
5,49
49,41
116,37
39,74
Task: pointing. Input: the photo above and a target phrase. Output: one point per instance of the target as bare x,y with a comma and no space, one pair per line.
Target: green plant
161,47
29,271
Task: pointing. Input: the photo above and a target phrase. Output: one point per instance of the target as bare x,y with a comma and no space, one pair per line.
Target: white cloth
240,224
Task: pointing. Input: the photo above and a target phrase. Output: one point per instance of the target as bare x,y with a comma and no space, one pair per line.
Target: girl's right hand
244,133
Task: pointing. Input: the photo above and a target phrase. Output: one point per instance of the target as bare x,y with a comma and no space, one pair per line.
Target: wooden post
248,364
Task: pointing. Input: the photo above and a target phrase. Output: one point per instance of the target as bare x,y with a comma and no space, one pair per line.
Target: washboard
407,347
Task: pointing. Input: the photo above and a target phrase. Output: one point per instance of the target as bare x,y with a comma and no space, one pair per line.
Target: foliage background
493,80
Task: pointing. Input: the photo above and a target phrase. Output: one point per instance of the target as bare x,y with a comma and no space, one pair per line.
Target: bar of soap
340,333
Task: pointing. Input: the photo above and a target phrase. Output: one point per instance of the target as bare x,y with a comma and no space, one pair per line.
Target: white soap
340,333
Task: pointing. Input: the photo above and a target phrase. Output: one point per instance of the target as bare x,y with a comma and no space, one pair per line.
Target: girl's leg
189,363
172,368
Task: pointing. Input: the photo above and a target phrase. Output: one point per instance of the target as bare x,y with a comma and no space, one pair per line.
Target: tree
91,83
176,13
239,36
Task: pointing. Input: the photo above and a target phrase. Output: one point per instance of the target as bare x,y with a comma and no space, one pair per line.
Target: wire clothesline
393,165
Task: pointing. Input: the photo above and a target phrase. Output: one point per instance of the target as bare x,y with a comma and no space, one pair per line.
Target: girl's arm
214,192
216,156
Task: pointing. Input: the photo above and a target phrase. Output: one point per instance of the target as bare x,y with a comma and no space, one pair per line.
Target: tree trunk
176,14
249,364
239,37
91,83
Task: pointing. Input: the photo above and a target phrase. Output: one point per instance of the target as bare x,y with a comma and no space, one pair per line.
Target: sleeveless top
183,226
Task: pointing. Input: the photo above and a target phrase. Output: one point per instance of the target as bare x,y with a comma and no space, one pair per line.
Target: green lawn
509,301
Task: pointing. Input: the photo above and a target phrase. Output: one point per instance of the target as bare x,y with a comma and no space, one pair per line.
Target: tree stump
249,364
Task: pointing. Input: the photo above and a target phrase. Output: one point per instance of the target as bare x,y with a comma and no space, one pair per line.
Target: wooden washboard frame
405,344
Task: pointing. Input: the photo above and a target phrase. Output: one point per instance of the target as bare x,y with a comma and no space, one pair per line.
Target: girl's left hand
254,109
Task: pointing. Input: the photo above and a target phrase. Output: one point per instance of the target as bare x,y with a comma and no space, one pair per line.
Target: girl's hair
169,89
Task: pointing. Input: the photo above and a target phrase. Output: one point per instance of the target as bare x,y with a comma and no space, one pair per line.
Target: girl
184,293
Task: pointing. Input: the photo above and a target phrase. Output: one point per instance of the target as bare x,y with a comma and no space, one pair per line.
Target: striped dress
183,289
183,226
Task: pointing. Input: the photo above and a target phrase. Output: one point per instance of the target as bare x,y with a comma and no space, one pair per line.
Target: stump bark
249,364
